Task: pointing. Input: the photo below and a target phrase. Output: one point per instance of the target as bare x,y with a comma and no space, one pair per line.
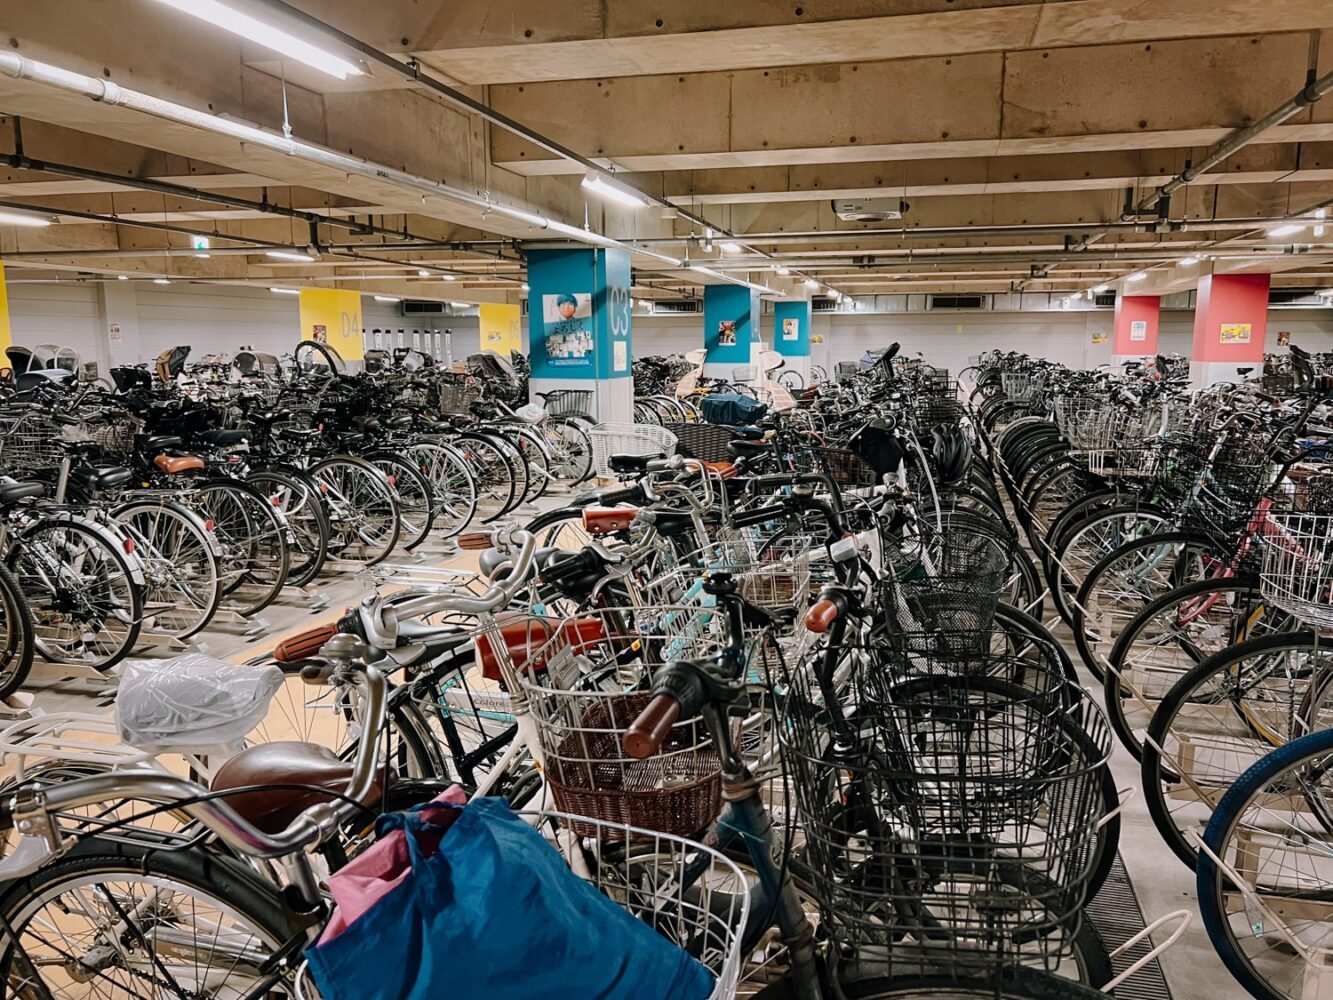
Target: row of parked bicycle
1187,541
787,711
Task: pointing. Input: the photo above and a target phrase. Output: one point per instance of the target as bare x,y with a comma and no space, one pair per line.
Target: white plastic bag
192,701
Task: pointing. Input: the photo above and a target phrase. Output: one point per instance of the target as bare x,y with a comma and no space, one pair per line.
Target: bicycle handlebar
381,618
649,731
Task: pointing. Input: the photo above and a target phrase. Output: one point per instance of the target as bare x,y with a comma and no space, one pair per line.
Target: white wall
209,318
952,339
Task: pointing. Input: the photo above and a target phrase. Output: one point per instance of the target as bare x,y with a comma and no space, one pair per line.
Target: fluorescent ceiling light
203,256
423,273
462,305
620,194
285,291
731,246
161,281
303,258
811,283
525,287
1188,261
1290,230
783,270
387,298
254,30
17,219
123,277
1101,289
1137,276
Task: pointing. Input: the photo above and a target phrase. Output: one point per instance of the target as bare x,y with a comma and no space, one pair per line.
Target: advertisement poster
1236,333
621,355
333,317
726,333
1283,338
567,329
1138,330
1100,338
791,329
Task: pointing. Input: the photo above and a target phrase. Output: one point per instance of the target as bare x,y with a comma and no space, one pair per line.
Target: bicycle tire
163,563
1118,692
233,885
1088,616
17,647
125,609
1211,880
1083,549
1157,775
415,495
254,538
372,498
296,495
496,479
451,479
571,446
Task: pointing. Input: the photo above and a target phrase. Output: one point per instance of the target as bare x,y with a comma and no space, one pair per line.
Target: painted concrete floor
1163,884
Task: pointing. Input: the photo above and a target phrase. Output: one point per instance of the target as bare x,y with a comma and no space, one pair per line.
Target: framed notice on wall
1100,338
1236,333
1138,330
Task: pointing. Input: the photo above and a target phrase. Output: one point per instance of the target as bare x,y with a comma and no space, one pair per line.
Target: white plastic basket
628,439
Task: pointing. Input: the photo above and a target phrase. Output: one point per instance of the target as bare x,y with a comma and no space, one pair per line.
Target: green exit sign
199,242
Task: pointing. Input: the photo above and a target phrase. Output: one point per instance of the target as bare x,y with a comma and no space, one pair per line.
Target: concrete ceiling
1018,132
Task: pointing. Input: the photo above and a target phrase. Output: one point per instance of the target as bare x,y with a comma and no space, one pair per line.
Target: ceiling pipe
1238,140
412,71
259,246
106,92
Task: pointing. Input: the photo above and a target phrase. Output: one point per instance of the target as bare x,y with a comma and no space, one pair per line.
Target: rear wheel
180,563
362,509
453,485
253,536
296,497
414,493
16,636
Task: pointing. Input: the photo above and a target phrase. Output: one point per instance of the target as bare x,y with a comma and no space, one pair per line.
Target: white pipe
106,92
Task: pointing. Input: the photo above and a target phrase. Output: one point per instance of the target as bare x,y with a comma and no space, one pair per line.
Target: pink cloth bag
372,876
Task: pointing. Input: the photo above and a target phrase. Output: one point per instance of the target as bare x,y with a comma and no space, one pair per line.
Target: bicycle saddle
272,810
222,439
298,433
102,477
271,416
161,442
401,422
740,448
628,465
11,493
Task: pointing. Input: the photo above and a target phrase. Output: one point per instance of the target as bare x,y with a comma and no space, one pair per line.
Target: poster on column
501,328
1138,330
1236,333
568,333
333,318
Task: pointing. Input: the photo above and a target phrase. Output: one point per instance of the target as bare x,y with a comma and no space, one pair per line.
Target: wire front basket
955,587
1297,570
585,687
569,403
1020,385
954,824
691,894
30,441
627,439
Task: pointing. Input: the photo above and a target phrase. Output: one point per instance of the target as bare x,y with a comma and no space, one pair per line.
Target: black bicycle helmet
877,445
951,453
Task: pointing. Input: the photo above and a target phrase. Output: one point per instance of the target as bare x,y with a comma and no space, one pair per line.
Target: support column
119,343
791,336
1137,318
580,315
1230,324
730,314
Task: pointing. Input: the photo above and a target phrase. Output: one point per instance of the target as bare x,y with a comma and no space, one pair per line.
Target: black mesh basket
949,818
953,589
706,442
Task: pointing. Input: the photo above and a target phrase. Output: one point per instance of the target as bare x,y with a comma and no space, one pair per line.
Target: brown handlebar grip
649,731
821,616
305,645
475,541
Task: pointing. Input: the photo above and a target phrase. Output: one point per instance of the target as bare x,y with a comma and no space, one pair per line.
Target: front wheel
16,636
362,509
139,921
85,594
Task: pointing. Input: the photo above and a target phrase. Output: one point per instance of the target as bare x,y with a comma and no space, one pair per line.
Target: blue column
791,336
731,319
579,326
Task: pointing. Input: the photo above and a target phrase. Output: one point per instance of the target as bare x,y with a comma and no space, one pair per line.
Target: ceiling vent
823,303
1294,296
419,308
676,307
1104,301
870,209
957,301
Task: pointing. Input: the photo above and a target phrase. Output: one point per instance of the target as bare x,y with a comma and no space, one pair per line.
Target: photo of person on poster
726,333
567,324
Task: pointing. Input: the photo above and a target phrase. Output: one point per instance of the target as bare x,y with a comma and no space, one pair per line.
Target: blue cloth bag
731,409
496,914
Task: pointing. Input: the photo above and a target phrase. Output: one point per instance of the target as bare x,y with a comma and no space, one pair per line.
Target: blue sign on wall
561,336
579,313
791,329
730,314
